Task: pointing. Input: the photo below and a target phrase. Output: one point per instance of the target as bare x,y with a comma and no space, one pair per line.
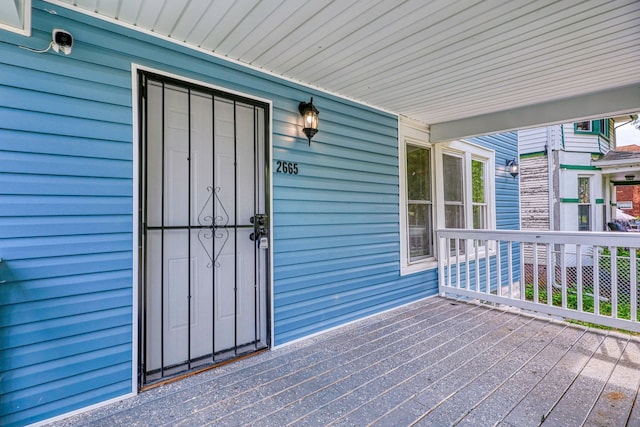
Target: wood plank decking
436,362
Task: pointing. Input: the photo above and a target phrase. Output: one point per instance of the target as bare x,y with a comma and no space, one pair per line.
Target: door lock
260,230
258,219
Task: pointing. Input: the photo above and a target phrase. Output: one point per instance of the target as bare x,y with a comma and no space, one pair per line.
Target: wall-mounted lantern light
513,168
310,117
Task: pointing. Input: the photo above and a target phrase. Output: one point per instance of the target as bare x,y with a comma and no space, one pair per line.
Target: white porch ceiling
450,64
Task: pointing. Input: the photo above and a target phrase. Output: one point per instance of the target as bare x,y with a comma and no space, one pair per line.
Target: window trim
24,12
469,151
416,134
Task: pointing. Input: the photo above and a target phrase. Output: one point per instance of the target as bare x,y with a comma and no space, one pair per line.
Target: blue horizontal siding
45,82
38,353
83,390
30,121
64,205
23,270
320,183
61,246
64,226
46,164
44,310
30,100
22,184
380,230
56,370
63,327
55,145
65,286
319,254
301,243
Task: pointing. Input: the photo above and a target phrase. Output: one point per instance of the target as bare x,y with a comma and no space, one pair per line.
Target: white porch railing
591,277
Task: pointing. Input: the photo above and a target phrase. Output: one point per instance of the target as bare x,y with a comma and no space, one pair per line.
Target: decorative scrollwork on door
216,225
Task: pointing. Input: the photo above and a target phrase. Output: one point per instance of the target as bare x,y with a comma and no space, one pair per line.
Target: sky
627,135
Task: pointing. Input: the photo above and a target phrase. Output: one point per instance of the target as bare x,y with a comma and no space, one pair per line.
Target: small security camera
62,41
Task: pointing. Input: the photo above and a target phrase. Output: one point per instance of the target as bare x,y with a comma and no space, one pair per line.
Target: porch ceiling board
437,62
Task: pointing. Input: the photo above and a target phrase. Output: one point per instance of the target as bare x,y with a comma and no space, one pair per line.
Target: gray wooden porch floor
436,362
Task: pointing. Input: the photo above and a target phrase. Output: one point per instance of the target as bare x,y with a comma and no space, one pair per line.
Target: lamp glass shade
310,118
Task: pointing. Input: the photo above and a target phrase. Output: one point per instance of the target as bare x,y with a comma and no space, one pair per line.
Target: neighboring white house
561,188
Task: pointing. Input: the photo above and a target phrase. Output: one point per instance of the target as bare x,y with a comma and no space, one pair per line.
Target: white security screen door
204,230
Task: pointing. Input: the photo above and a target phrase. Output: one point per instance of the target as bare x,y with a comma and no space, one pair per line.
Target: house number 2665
286,167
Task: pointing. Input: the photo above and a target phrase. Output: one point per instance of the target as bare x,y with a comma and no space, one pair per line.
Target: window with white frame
467,187
419,203
15,16
595,127
479,193
584,203
444,185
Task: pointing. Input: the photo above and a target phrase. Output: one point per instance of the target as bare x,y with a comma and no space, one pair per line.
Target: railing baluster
633,283
579,277
535,273
563,274
487,265
522,273
614,281
551,273
476,263
448,252
467,273
596,279
498,267
510,268
457,246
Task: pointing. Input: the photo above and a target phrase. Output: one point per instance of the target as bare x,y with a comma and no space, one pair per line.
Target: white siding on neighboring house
584,143
532,140
538,140
534,193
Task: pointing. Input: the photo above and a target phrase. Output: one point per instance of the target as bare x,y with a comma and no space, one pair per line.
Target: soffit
433,61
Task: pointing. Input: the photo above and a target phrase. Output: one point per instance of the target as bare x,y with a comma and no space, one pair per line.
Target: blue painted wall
66,191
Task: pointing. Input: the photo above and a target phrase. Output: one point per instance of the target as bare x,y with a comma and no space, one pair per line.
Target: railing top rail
591,238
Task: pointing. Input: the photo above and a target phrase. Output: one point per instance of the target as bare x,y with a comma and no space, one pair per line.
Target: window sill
418,267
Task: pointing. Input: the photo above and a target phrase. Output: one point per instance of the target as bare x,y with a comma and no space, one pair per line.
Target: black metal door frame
206,228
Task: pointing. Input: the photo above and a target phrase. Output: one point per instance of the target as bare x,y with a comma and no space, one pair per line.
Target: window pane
584,195
418,173
583,126
477,180
452,167
479,217
420,231
584,218
603,125
454,216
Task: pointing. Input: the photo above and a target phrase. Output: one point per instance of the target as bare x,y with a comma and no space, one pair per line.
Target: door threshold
180,377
